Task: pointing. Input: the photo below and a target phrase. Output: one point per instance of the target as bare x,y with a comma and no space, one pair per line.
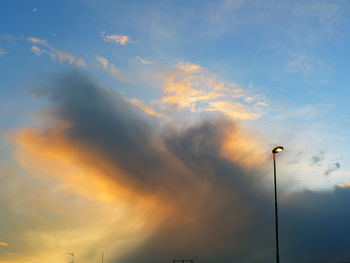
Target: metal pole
71,254
276,212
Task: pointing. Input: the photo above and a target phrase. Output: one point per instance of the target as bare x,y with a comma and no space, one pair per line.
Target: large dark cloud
222,211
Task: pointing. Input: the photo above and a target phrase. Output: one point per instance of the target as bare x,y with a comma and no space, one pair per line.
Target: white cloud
103,61
37,51
35,40
144,61
115,72
119,39
2,52
42,47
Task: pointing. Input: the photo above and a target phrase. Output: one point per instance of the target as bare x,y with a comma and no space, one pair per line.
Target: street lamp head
277,149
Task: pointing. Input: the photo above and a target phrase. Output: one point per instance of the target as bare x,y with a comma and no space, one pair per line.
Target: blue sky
277,69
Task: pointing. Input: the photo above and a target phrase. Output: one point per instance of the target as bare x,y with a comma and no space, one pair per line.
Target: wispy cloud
148,109
114,38
42,47
305,64
144,61
233,109
3,244
2,52
111,69
103,61
332,168
191,89
191,86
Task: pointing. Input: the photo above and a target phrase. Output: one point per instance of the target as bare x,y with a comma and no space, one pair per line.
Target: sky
144,130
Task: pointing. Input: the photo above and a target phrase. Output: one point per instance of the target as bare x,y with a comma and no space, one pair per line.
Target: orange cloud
120,206
51,153
233,109
190,86
244,148
146,108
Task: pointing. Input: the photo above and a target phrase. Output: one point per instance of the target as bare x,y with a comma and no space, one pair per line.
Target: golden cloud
193,87
115,207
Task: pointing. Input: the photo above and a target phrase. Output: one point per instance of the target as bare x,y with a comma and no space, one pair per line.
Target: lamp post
274,151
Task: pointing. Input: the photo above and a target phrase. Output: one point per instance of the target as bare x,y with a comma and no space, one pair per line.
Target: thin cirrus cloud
179,183
146,108
144,61
233,109
114,38
43,47
111,69
2,52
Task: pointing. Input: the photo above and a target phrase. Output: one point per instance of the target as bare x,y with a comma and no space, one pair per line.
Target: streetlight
274,151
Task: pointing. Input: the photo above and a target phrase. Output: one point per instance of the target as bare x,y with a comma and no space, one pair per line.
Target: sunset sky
144,129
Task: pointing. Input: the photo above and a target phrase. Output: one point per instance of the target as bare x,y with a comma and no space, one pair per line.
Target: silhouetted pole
72,254
182,260
274,151
102,256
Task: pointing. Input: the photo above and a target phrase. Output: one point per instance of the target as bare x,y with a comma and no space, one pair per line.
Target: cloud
313,228
202,191
145,61
119,39
42,47
3,244
193,87
111,68
131,159
332,168
38,41
47,219
305,64
233,109
318,157
103,61
146,108
2,52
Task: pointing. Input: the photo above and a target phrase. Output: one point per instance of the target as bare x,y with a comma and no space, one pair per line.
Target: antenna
71,254
182,260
